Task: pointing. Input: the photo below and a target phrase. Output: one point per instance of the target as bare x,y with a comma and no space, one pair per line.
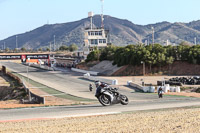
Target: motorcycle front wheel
104,100
124,100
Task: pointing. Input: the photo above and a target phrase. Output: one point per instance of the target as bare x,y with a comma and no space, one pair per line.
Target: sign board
24,57
42,56
10,57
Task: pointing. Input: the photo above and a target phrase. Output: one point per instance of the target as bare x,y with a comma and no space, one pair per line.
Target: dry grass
179,120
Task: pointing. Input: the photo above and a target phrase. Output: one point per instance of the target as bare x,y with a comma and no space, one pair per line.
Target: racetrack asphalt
71,83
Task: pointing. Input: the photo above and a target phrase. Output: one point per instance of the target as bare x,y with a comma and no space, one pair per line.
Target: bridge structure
24,56
50,59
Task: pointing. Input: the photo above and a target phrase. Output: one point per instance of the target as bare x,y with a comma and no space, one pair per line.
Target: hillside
122,32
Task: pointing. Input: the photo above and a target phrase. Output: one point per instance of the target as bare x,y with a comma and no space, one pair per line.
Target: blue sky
19,16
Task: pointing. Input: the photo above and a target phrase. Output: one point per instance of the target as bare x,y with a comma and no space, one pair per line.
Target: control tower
95,37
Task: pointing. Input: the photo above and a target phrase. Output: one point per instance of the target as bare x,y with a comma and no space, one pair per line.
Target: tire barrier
187,80
179,81
160,83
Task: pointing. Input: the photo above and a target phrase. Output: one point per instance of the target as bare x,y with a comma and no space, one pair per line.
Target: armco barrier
93,78
84,71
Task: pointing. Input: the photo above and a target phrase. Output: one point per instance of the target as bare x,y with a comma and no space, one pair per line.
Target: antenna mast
102,26
90,14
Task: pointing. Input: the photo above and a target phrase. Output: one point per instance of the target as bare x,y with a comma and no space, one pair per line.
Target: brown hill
122,32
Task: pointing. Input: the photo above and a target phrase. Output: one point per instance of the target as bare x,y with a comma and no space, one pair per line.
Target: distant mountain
122,32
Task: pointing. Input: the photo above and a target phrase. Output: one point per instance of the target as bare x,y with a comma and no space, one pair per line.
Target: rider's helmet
97,83
103,85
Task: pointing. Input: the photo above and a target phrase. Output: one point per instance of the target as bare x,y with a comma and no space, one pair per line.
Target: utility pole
4,45
102,26
16,42
167,43
152,35
146,43
50,47
195,41
54,43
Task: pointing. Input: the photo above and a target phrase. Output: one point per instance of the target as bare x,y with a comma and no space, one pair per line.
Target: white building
94,37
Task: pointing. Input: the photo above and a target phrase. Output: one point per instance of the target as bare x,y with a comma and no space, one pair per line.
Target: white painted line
53,95
81,115
36,87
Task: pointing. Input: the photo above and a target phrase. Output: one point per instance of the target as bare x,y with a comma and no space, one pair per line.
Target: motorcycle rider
160,92
90,87
98,88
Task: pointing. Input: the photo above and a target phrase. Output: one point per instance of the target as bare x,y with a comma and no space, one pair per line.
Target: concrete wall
150,89
94,78
84,71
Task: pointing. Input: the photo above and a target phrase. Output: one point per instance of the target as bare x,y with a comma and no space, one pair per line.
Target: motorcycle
108,95
160,93
90,87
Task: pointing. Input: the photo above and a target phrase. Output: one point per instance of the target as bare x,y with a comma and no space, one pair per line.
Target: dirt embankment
177,68
10,89
86,66
11,96
10,93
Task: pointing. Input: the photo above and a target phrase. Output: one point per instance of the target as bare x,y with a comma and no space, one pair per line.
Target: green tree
23,49
15,50
7,50
40,49
93,56
47,49
169,61
194,54
183,51
150,56
63,48
73,47
161,59
119,56
108,53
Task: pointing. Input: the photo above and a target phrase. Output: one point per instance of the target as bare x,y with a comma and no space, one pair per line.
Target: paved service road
67,82
70,82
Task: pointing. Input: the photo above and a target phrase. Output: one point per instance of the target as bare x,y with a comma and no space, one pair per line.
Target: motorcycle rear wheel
124,100
104,100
